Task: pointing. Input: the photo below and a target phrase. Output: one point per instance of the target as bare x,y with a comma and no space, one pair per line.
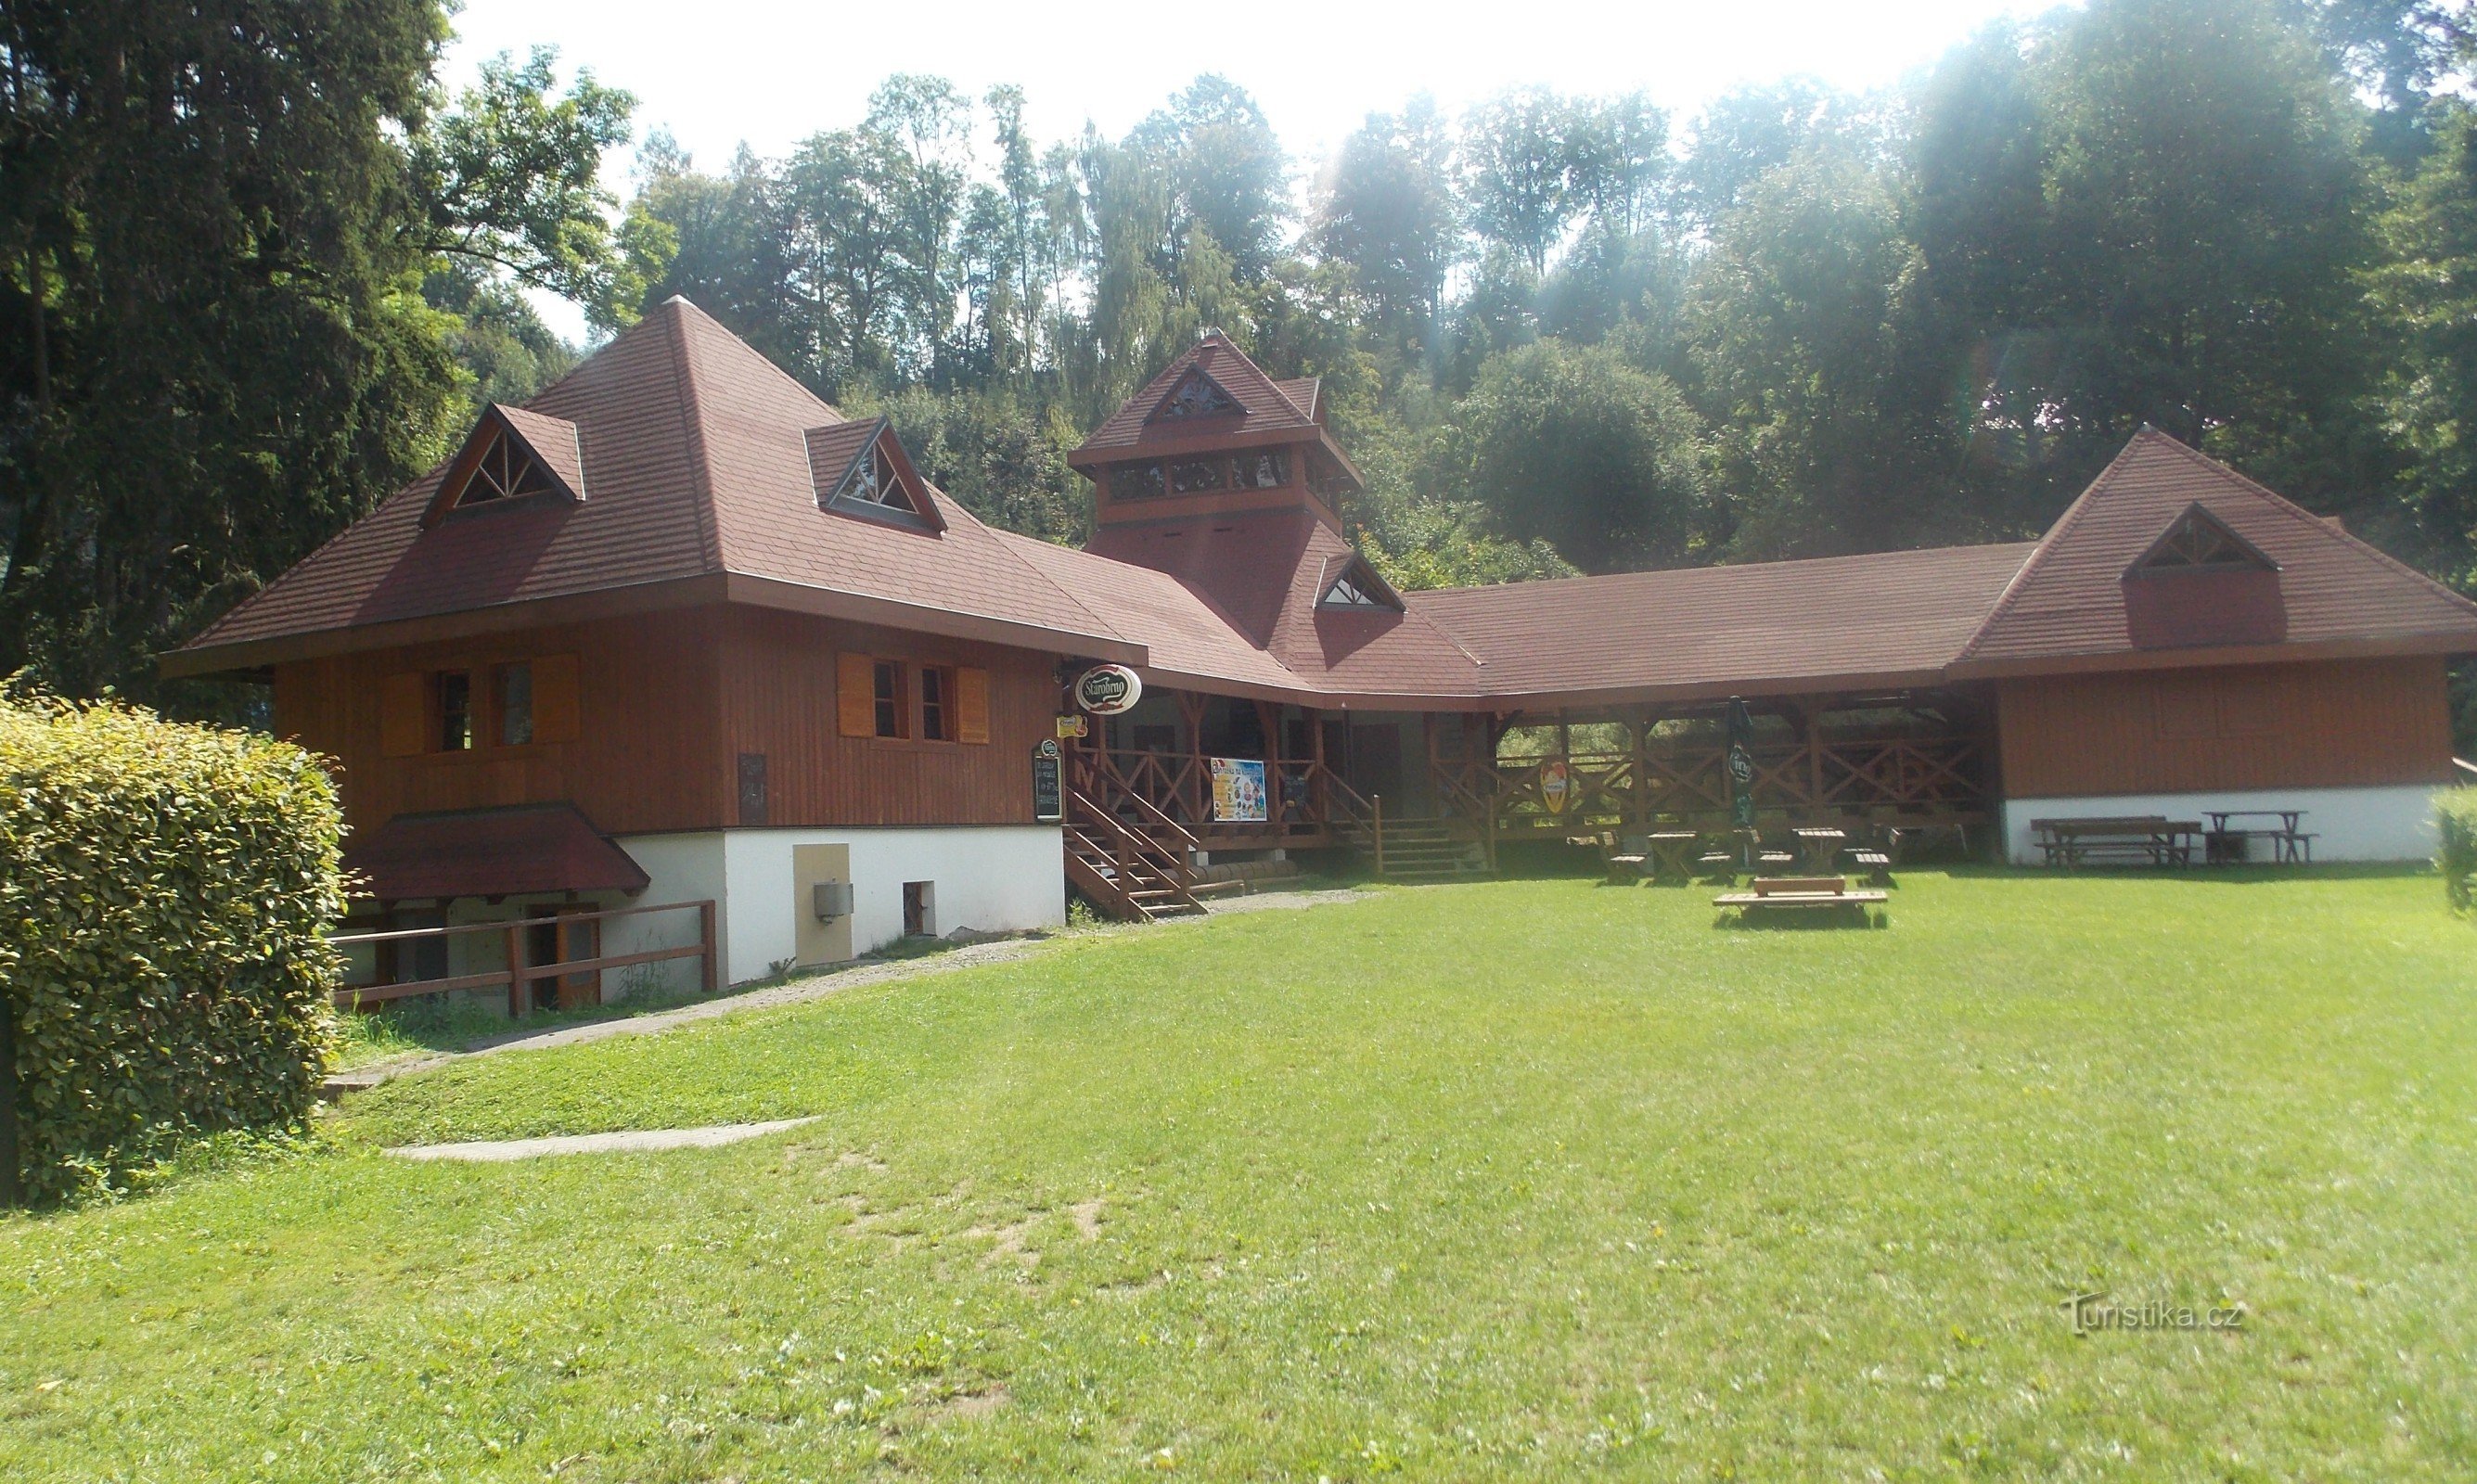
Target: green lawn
1540,1179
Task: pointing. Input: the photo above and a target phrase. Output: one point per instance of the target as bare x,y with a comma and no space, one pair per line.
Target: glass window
455,711
1195,474
1268,469
1134,481
936,695
515,705
889,698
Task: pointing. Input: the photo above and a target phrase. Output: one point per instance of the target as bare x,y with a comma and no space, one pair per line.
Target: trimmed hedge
2456,812
165,892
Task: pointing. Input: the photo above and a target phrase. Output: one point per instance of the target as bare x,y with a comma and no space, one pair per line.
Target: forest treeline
1558,333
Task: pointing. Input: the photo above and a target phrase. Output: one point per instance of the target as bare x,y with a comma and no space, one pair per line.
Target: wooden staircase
1424,850
1134,867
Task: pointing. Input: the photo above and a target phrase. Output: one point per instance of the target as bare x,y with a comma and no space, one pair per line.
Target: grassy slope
1530,1178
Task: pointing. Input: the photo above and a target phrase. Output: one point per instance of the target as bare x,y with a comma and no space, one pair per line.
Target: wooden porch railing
1947,774
517,974
1175,790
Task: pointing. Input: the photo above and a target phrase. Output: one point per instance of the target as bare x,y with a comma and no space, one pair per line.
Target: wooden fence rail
518,976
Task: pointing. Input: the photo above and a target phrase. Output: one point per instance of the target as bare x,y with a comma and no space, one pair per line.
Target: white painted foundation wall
990,879
2348,824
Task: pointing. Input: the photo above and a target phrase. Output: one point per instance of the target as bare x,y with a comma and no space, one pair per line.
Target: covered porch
1861,762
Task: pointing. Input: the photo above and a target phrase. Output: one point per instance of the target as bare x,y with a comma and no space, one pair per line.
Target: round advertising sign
1106,690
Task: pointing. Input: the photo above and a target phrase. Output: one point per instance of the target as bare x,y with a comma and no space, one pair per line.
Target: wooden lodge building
678,629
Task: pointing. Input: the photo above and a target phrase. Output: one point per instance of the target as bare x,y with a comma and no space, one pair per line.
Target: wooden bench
2149,839
1798,891
1877,866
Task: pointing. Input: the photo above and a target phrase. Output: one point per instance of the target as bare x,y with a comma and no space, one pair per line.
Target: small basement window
455,711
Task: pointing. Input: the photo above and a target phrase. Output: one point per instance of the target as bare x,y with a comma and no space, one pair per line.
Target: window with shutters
516,701
936,704
455,711
886,693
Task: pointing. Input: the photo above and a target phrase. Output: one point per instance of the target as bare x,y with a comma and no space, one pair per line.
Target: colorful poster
1237,790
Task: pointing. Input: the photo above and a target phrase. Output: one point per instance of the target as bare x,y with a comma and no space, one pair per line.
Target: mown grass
1531,1179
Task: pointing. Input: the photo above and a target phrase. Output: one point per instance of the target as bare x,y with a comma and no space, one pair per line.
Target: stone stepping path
495,1151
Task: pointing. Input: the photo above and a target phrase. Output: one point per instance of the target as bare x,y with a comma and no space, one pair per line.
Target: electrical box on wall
830,900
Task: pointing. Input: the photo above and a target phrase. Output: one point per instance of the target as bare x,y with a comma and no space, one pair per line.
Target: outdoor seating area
2157,840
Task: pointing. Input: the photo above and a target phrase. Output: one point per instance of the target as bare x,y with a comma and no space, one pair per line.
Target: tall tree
1518,172
2209,223
218,218
1807,325
1386,208
1575,446
1227,172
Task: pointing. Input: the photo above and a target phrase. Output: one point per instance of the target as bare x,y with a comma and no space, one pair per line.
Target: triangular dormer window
1195,395
511,455
860,469
2199,541
1359,588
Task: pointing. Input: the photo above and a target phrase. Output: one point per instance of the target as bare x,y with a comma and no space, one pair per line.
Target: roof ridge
2065,522
692,422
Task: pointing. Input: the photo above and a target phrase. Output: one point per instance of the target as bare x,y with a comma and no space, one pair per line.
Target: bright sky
717,72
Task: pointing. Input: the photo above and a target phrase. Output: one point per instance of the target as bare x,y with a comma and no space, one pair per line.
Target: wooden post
1376,806
514,942
704,935
11,1195
1268,720
1323,791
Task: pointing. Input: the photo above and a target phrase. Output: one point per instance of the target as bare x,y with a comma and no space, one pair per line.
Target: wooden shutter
856,695
971,705
404,714
559,699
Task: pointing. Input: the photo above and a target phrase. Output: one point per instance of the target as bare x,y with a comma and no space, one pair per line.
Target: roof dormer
1350,585
1194,394
2202,583
860,469
511,455
2199,541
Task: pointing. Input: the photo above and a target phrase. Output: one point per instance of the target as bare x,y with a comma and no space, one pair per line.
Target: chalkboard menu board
1048,792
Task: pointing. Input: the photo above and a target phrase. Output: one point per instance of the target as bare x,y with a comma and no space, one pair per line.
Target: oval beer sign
1556,784
1106,690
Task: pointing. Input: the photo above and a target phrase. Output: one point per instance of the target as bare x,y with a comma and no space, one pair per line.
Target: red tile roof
1892,617
488,852
2068,603
1265,408
697,455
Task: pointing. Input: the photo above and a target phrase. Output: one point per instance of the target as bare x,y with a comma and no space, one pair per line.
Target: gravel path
498,1150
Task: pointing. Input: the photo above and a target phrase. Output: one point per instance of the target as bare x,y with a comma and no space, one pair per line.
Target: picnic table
2151,838
1821,845
1773,893
1671,851
1660,854
2289,845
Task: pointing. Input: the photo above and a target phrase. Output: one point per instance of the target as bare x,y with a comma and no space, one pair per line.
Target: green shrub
165,892
2456,810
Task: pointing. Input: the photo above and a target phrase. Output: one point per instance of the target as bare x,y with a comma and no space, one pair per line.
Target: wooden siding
643,756
779,699
669,704
2359,724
